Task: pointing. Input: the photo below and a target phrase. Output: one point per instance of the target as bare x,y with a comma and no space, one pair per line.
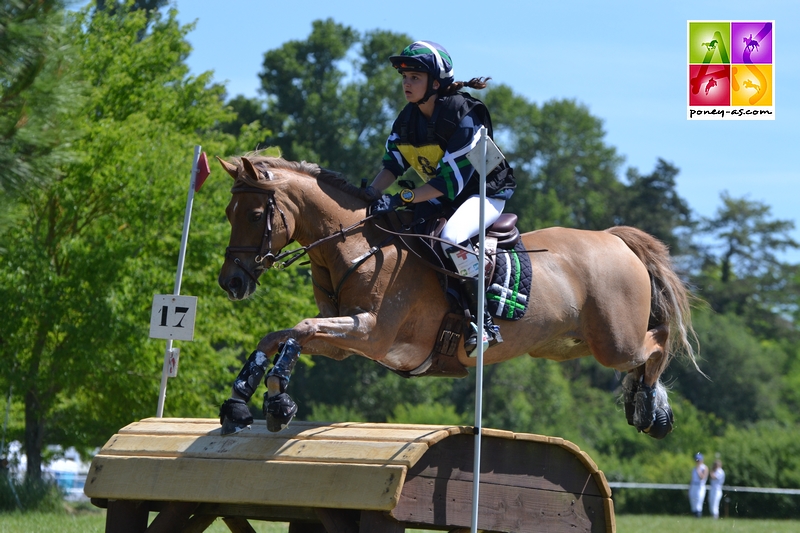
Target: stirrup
491,336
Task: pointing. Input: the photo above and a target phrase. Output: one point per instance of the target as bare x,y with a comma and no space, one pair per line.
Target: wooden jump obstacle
343,478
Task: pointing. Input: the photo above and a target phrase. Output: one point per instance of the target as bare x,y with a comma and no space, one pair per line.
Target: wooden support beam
126,516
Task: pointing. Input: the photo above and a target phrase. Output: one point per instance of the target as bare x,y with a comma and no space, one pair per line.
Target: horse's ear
229,168
253,171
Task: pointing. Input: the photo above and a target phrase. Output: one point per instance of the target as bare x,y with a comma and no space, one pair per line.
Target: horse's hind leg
644,397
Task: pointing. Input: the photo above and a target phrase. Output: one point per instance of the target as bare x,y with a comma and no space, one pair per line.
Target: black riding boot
490,331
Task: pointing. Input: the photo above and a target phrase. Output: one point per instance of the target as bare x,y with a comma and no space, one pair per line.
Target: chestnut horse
611,294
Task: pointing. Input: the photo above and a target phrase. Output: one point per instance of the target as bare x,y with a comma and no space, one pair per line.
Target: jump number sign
172,317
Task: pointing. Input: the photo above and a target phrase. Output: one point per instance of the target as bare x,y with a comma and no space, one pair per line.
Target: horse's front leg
334,337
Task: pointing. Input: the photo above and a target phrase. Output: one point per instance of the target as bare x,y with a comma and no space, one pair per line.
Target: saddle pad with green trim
507,296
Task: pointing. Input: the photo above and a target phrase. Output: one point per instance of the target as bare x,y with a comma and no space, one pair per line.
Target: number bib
423,159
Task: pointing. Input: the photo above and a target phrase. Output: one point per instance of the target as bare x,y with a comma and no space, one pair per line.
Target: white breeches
465,222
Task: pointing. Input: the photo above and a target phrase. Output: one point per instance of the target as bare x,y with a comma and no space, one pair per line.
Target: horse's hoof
234,416
662,426
279,411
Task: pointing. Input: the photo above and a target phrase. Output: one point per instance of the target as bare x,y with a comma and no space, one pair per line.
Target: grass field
94,522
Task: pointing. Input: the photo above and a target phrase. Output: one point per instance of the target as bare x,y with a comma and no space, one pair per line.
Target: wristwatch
407,195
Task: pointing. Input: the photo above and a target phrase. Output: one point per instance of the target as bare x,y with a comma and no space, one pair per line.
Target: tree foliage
332,98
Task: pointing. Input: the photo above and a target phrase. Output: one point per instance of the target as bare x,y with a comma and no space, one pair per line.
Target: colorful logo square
730,70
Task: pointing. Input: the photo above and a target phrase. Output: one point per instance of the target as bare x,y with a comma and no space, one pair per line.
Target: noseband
263,252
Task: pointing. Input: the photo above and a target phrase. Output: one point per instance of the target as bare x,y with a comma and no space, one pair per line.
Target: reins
265,253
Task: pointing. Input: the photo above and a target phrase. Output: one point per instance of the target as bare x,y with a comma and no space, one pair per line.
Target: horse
711,83
710,45
610,294
748,84
750,44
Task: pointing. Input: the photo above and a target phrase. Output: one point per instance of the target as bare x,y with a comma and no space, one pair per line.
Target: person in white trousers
716,480
697,488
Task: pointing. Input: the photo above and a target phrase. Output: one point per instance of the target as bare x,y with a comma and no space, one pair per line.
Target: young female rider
433,135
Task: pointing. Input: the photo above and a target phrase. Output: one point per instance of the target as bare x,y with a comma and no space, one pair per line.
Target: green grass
93,521
690,524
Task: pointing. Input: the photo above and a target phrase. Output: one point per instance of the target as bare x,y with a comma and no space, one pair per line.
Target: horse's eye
256,215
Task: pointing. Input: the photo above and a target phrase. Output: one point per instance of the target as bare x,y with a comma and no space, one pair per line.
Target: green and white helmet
426,56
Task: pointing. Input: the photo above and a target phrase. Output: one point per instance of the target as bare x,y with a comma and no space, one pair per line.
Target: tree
741,272
37,93
742,381
94,245
566,174
651,203
323,110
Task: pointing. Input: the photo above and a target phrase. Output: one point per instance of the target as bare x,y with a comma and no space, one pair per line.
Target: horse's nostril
235,283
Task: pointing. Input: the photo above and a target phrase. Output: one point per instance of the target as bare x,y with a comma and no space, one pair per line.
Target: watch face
407,195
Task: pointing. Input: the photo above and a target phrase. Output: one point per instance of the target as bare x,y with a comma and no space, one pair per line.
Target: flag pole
476,469
187,219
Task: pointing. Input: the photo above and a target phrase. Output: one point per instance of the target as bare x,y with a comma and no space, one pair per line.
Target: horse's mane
304,168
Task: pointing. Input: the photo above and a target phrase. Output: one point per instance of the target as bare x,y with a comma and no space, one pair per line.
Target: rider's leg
462,226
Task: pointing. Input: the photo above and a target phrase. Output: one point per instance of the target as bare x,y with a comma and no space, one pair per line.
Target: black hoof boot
234,416
279,411
662,425
628,395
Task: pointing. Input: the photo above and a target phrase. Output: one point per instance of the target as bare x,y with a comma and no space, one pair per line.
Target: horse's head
259,228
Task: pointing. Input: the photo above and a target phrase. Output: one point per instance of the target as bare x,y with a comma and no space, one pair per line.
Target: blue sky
624,60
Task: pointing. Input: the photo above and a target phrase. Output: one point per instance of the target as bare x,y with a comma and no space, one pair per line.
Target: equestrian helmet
426,56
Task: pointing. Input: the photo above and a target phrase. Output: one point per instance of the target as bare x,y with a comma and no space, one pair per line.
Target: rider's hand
385,204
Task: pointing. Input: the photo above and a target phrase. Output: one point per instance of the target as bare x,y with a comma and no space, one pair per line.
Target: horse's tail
671,301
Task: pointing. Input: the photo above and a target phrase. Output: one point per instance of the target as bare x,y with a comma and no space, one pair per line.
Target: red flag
203,171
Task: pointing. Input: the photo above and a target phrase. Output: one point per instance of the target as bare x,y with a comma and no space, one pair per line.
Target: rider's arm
383,179
455,170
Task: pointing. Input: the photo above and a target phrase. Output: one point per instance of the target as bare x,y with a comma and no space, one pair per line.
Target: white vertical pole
481,305
187,219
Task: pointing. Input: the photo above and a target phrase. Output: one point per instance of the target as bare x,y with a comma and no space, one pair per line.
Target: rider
432,135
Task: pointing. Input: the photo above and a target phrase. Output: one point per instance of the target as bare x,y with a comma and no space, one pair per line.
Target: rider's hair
474,83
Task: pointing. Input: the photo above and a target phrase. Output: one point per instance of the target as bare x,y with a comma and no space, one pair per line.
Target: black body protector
424,149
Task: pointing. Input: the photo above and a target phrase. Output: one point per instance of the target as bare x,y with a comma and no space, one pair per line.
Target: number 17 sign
172,317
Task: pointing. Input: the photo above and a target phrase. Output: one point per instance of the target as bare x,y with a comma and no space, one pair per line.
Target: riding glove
385,204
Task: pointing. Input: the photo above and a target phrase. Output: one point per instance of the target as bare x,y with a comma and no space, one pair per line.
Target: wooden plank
611,519
508,462
373,487
297,430
501,508
270,513
213,447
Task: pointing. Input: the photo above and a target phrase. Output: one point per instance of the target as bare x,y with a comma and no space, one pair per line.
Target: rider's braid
474,83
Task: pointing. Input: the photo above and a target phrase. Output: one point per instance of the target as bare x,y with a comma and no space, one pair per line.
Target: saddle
503,234
443,361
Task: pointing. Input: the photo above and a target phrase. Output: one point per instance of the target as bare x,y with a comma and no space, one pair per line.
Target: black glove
385,204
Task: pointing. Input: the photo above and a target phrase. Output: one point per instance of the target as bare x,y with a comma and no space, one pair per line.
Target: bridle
264,252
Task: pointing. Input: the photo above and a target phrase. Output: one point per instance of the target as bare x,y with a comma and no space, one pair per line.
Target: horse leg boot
279,408
646,407
491,333
234,415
